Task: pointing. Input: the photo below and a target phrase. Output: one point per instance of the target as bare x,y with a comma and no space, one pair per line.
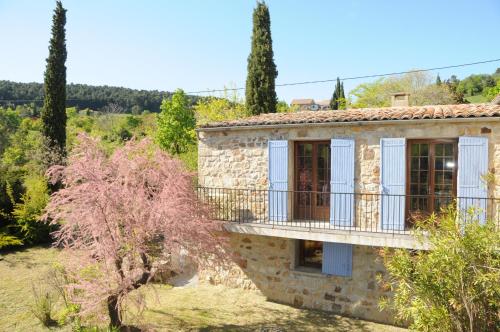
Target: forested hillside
87,96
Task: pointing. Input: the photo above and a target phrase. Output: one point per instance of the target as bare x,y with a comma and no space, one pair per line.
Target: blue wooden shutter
278,180
392,183
472,164
342,182
337,259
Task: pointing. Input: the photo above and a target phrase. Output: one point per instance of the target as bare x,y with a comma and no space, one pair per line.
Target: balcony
356,218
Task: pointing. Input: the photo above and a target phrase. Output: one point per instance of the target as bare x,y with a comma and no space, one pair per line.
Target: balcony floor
323,231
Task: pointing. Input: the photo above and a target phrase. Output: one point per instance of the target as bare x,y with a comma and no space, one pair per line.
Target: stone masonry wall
268,264
238,158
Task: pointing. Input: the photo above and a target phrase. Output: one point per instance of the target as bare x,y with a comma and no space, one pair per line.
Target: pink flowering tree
124,216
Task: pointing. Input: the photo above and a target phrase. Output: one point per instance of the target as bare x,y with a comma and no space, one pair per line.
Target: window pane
438,165
323,155
307,162
414,150
300,149
439,150
308,148
424,163
449,163
414,177
424,149
423,177
448,149
448,176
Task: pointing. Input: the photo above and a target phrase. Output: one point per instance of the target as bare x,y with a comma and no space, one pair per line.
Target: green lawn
191,308
478,99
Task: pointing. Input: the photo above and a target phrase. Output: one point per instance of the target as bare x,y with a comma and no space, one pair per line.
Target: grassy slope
200,308
18,272
477,99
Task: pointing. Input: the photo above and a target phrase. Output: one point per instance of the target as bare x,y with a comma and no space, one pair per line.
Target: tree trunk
114,312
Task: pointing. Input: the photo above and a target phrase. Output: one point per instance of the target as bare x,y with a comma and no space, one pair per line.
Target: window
310,254
431,176
312,180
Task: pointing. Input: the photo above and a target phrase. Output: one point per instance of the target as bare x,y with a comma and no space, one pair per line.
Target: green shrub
176,124
190,158
7,241
212,109
27,213
455,285
492,92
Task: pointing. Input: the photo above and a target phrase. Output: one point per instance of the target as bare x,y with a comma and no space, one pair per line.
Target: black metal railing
364,212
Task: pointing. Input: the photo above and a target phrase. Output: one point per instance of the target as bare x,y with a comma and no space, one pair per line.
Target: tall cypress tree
260,86
438,80
54,104
342,100
334,102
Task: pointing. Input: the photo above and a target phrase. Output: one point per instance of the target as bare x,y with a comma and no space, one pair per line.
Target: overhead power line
354,77
299,83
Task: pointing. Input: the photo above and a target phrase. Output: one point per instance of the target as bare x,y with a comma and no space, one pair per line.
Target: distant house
309,197
305,104
324,104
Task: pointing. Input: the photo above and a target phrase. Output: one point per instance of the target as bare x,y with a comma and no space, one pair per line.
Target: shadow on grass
21,255
271,321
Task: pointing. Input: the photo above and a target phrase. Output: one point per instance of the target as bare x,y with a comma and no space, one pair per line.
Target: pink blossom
120,215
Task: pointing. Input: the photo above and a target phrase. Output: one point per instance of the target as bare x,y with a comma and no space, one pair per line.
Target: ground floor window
310,254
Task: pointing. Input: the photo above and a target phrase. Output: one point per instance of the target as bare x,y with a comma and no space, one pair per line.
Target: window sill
308,271
316,273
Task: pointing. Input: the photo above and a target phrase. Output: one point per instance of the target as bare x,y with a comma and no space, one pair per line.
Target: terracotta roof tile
366,114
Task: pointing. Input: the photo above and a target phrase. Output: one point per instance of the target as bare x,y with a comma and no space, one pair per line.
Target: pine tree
260,85
438,80
334,102
54,107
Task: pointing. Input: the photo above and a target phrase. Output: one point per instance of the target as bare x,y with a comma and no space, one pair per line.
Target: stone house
323,104
309,197
305,104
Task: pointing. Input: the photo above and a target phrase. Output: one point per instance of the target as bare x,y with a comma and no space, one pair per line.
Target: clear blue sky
203,44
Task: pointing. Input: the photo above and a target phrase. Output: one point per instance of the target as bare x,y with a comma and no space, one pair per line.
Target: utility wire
304,82
355,77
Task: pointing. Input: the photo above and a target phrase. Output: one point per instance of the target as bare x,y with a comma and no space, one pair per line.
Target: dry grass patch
19,272
198,308
217,308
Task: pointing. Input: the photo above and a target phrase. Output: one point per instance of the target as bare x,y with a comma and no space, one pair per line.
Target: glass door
432,170
312,180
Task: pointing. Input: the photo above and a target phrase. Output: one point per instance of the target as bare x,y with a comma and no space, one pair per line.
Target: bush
455,285
28,212
190,158
7,241
176,123
492,92
214,109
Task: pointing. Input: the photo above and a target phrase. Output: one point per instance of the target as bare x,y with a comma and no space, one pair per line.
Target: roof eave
346,123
